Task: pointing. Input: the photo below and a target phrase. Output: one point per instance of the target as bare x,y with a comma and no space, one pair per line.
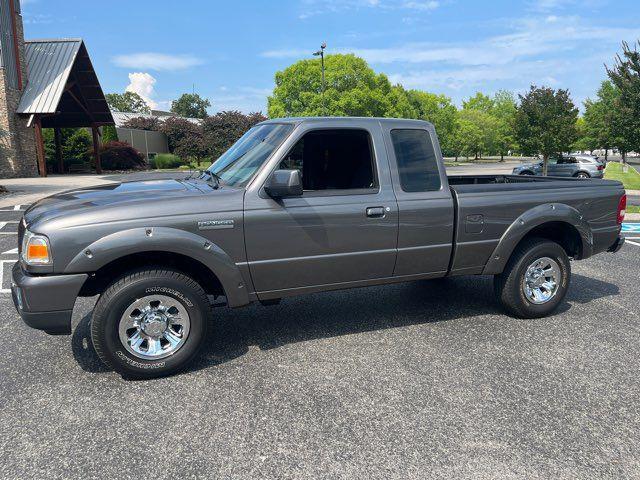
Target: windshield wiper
213,176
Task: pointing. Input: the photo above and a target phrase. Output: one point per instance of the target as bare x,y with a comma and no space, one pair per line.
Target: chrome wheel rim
154,327
541,280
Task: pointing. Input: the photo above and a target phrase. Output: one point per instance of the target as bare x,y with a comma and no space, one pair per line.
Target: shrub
185,137
224,128
77,147
109,134
121,156
143,123
166,160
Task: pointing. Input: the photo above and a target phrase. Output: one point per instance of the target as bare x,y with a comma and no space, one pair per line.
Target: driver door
342,229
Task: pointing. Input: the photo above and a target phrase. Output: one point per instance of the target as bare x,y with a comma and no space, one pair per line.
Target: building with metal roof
43,84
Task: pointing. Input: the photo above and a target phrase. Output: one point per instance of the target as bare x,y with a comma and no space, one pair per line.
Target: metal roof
62,86
49,63
121,118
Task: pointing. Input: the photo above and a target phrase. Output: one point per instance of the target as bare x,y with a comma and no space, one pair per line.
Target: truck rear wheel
535,280
150,323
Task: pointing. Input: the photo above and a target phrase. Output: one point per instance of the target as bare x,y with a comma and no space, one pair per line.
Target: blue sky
231,50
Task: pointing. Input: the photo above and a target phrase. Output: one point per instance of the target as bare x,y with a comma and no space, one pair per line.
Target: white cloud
527,38
318,7
552,5
144,85
156,61
432,5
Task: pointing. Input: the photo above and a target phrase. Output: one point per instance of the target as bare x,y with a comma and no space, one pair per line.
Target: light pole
324,85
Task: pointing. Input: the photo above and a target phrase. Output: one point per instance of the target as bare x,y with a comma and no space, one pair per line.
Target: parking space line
2,262
633,243
13,251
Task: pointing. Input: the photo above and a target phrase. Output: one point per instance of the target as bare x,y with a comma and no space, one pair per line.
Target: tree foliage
190,105
440,111
625,121
143,123
185,137
476,132
480,102
599,118
221,130
121,156
127,102
545,122
352,89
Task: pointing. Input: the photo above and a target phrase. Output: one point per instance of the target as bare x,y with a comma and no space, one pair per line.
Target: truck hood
106,197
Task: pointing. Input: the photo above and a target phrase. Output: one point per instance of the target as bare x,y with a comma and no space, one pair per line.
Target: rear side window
417,163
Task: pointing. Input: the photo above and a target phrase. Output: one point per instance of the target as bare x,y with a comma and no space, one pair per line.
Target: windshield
238,164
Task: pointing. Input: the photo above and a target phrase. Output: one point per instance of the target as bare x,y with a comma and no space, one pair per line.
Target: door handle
375,212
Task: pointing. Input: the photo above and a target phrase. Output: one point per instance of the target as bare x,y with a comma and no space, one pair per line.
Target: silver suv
580,166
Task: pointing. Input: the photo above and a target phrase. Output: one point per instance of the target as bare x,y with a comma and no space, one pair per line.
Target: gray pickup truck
297,206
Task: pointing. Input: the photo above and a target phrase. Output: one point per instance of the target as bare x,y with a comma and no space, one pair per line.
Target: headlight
35,249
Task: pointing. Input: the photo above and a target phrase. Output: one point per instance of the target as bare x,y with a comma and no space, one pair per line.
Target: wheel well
581,171
99,280
565,234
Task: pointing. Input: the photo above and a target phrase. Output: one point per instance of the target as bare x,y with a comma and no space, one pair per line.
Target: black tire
509,287
121,294
582,175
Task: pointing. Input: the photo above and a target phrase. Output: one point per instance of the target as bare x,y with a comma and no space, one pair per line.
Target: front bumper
617,245
46,302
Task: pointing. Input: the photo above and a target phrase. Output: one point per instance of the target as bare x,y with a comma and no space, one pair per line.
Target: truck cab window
333,160
416,158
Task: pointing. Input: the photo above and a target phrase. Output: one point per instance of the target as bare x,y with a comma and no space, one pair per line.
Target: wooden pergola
63,91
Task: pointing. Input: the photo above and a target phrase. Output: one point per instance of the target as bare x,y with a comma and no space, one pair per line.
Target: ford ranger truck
297,206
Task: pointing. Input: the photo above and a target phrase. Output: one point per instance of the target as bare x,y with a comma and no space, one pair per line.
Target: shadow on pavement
341,313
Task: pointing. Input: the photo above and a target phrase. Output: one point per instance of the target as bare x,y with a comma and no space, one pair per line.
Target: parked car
579,166
297,206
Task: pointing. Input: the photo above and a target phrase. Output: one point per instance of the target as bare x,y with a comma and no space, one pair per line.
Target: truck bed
475,183
487,205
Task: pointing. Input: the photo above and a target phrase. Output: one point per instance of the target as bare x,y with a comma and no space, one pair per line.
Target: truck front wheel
535,280
150,323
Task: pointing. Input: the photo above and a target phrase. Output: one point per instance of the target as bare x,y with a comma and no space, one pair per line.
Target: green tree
479,102
584,141
441,112
127,102
545,122
625,75
191,105
352,89
476,132
599,117
504,111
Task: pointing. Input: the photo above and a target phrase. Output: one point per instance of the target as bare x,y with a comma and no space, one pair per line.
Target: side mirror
284,183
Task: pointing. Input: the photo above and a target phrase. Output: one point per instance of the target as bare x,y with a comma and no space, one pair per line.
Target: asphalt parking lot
420,380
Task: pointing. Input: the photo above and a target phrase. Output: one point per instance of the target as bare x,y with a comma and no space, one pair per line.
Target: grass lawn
633,209
631,179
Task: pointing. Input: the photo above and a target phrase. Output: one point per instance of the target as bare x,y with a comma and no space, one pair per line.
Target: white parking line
17,207
633,243
2,262
13,251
